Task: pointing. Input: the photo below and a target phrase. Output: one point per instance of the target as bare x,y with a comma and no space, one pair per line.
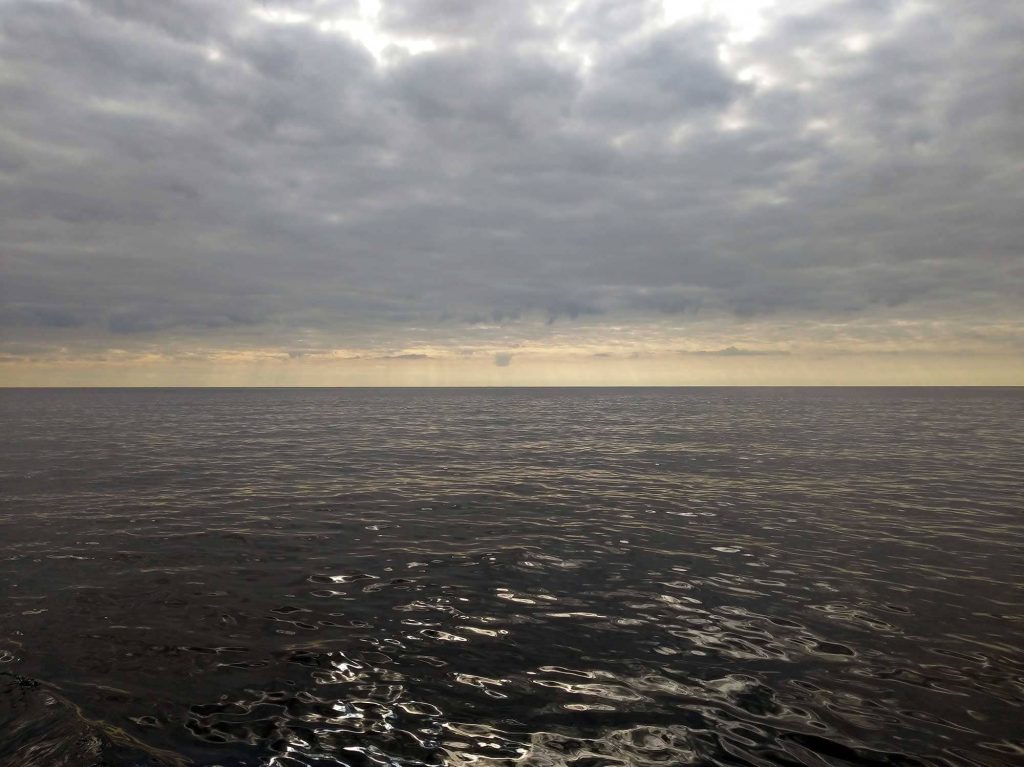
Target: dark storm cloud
218,168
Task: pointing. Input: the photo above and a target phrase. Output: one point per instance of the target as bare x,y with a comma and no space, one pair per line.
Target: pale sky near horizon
445,192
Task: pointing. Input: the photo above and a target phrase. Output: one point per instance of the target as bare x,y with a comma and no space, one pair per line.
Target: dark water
488,577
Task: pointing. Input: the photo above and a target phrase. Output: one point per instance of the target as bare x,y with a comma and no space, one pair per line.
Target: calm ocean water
581,577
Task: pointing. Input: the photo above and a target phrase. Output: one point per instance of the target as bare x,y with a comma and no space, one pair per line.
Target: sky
445,192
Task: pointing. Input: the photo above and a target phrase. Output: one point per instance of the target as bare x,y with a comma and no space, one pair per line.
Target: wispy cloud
732,351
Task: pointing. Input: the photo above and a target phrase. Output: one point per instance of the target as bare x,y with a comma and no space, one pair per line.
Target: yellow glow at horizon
531,369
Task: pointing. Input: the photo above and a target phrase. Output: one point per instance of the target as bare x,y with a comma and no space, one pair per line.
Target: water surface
493,577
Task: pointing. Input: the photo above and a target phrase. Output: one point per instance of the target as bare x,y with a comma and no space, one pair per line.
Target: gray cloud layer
213,169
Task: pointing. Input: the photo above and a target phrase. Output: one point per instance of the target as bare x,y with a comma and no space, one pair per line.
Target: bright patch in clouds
362,26
745,19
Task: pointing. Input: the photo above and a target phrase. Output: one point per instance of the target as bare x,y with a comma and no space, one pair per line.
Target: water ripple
499,577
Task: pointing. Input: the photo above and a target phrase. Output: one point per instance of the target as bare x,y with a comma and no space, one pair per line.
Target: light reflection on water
488,577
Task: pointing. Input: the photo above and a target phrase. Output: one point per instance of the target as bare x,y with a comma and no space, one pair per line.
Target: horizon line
550,386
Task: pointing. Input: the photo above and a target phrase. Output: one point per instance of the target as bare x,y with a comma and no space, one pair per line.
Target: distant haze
445,192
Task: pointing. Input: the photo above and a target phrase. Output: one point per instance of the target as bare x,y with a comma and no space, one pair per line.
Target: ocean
492,577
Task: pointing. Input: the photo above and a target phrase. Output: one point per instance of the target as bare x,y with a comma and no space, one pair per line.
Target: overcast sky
446,191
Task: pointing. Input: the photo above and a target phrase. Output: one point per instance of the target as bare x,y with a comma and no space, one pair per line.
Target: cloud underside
409,182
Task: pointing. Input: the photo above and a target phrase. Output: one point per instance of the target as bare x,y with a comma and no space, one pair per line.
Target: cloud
236,174
732,351
503,359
